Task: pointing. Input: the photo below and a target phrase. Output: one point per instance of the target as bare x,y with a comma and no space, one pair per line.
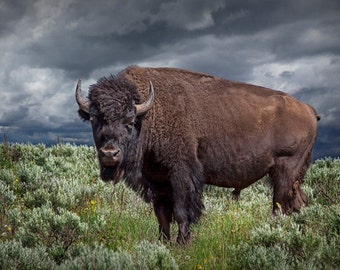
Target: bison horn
82,102
144,107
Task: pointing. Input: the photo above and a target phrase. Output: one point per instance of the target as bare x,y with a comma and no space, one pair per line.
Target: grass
55,213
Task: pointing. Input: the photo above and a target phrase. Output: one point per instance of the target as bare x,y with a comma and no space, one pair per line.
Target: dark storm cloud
11,11
328,142
327,103
45,46
89,35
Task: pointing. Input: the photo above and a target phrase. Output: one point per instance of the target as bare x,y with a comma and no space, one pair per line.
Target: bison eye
93,119
129,123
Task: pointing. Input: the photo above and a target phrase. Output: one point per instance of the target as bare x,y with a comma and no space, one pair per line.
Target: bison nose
110,157
114,153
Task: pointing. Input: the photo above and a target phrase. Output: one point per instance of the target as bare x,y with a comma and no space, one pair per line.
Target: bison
169,131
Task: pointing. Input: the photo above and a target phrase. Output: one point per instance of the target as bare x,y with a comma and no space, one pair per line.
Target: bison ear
84,115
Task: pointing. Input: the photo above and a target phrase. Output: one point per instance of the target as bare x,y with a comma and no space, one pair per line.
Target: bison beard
198,129
109,173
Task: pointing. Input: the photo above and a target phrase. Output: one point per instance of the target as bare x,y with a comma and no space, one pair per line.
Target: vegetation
55,213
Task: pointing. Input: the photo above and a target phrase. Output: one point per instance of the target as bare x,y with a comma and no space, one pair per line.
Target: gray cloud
45,46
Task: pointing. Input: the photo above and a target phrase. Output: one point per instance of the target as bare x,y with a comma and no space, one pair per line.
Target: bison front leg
184,232
163,208
183,221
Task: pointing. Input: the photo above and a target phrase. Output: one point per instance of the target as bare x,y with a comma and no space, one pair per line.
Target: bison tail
318,117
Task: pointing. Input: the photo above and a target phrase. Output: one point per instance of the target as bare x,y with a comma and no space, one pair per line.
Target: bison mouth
109,162
111,173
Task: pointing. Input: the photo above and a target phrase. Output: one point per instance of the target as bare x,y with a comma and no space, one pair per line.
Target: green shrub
57,231
284,244
154,256
7,176
324,178
55,212
14,256
144,256
261,257
7,199
30,177
99,258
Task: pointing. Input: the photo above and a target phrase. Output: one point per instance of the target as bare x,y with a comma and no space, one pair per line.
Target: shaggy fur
201,130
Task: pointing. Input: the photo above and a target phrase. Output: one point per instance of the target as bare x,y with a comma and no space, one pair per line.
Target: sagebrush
55,212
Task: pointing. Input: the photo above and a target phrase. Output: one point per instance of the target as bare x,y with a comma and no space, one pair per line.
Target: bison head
116,121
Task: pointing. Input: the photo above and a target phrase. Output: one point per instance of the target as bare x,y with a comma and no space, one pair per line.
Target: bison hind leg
236,194
287,177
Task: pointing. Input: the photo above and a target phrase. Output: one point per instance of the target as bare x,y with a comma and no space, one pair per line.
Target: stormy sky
46,45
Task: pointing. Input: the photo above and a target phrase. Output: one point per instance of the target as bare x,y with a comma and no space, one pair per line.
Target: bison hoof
183,239
236,194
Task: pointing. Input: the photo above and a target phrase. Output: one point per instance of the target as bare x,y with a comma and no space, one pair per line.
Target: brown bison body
196,129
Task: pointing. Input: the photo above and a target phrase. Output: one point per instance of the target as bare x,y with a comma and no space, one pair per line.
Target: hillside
56,213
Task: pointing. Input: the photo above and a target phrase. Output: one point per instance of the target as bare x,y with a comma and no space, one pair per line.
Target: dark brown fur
202,130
